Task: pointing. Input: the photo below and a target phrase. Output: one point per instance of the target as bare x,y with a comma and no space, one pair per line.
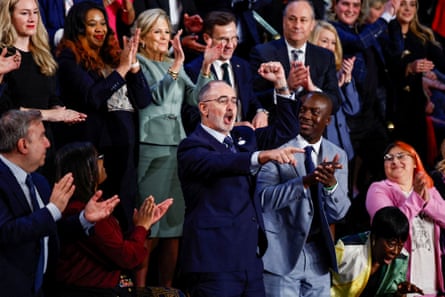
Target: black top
28,87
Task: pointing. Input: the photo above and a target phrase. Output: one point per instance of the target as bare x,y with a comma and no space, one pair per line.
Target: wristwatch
262,110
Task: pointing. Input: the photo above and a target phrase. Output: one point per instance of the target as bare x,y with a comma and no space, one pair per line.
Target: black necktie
228,141
35,205
308,163
225,70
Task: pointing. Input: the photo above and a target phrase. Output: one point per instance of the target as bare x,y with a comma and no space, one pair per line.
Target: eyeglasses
393,244
223,100
399,156
233,39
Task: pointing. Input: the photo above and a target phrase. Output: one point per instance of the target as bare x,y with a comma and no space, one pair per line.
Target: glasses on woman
399,156
392,244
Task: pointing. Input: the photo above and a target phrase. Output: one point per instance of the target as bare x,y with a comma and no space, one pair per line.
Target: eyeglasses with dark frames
399,156
224,100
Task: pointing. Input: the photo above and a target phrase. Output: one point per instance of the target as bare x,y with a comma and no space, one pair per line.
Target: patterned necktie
308,163
35,205
297,55
225,70
228,141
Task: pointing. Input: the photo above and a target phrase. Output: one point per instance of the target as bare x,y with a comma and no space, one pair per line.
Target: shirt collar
291,48
219,136
301,142
16,170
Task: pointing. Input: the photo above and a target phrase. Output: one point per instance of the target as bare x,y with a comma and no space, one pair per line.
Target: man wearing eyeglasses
220,28
223,235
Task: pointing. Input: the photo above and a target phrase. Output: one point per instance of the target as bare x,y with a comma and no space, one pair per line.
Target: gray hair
14,125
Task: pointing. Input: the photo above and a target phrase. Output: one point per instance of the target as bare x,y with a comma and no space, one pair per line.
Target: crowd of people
203,148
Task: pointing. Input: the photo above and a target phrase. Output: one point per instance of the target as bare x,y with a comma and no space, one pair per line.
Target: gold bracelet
206,75
173,74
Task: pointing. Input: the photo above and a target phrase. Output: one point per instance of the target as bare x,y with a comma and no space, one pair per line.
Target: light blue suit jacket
288,209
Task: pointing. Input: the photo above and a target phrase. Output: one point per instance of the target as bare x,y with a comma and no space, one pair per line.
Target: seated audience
374,263
411,189
97,265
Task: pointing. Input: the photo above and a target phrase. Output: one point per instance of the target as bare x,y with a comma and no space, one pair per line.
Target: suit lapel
19,196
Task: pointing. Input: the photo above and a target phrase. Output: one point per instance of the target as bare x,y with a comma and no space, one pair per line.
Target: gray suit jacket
288,209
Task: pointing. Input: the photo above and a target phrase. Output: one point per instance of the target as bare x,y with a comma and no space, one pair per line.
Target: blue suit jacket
243,81
223,225
20,233
320,60
288,208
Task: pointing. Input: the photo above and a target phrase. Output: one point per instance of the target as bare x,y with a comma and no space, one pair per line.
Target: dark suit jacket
223,225
243,81
87,92
320,60
20,233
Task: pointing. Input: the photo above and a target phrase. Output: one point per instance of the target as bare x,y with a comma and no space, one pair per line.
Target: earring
142,45
373,242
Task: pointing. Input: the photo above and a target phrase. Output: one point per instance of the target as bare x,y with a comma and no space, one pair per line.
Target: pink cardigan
388,193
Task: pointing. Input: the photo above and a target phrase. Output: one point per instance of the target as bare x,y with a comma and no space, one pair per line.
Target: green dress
160,131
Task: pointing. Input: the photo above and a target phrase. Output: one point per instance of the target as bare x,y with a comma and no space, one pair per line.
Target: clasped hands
324,173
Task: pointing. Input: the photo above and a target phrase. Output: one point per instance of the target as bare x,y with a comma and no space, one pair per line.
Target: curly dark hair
75,27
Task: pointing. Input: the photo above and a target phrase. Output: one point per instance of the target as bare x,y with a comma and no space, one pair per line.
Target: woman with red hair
411,189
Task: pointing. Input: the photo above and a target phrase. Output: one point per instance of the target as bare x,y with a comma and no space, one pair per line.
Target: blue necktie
225,69
35,205
228,141
308,163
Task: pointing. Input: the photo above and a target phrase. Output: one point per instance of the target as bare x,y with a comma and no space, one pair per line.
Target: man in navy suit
220,28
223,235
308,67
299,202
29,210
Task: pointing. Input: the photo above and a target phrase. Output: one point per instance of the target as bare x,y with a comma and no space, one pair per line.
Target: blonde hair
145,21
315,35
422,32
366,7
39,45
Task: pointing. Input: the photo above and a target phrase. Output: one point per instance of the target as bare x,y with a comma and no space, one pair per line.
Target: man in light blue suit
299,203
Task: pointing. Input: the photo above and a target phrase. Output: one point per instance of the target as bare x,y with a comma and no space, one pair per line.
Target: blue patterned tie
308,163
35,205
228,141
